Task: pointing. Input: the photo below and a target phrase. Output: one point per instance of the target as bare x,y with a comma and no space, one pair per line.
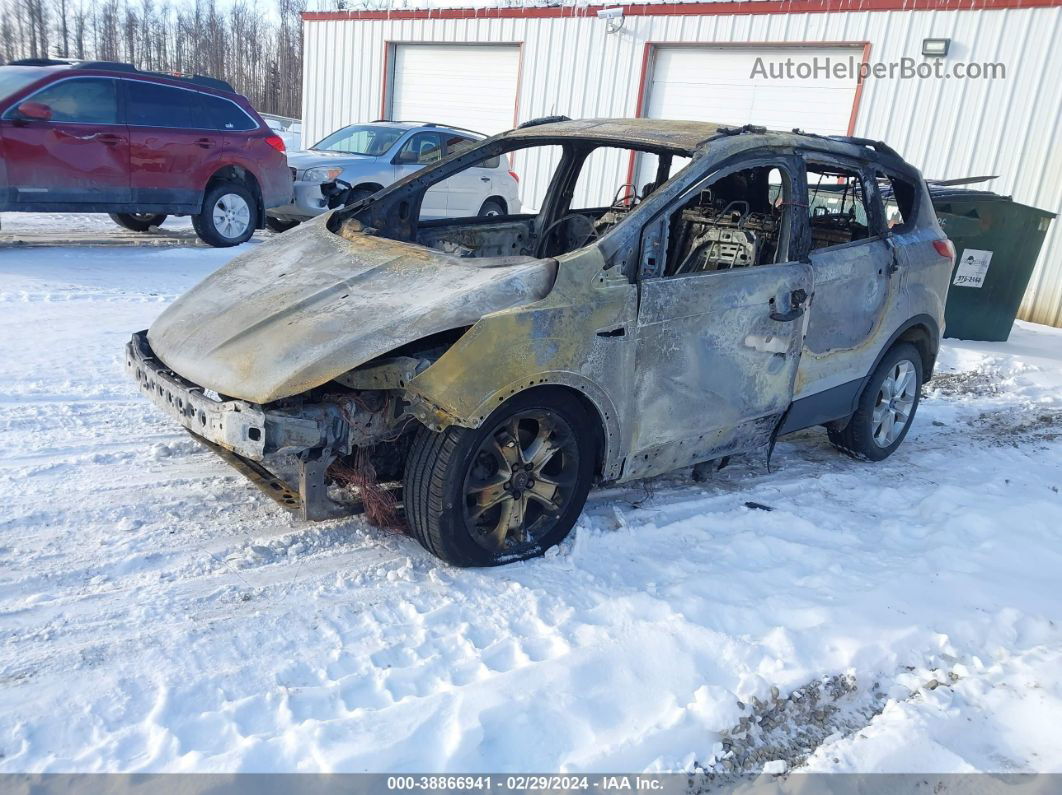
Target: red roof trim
744,7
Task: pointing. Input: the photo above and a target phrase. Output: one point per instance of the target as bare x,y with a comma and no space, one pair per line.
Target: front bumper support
244,433
247,429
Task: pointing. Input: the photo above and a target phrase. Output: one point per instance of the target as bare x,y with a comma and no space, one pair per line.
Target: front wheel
886,407
137,222
228,217
505,491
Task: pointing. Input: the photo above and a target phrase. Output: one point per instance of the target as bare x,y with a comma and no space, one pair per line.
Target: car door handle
109,139
797,299
484,179
894,263
204,143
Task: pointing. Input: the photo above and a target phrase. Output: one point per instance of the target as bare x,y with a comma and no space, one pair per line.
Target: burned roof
689,137
678,136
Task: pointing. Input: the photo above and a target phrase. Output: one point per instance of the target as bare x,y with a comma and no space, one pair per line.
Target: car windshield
360,139
13,78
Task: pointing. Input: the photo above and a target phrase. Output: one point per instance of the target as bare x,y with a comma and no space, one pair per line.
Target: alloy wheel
520,480
231,215
896,398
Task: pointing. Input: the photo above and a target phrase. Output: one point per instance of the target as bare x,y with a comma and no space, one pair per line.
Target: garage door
471,86
715,84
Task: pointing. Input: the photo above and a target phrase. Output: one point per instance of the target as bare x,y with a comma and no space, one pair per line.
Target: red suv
107,137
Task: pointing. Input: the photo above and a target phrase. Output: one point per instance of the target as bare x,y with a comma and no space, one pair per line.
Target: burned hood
296,312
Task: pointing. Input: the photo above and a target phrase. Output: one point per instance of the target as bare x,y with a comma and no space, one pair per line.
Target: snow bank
156,613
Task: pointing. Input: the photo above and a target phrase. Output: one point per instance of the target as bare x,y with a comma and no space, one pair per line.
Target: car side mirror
407,159
35,111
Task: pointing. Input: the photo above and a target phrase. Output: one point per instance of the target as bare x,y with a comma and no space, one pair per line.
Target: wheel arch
921,331
496,198
592,398
234,172
375,187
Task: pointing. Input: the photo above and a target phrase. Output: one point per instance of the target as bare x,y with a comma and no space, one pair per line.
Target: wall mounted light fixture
935,48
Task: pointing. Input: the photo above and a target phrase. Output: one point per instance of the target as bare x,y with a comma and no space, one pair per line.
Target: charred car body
496,367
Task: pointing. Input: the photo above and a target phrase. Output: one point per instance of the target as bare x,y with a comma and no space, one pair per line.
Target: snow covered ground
157,614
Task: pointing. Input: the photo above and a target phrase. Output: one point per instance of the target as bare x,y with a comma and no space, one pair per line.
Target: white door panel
704,83
469,85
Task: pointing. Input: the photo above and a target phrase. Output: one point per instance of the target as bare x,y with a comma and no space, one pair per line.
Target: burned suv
485,372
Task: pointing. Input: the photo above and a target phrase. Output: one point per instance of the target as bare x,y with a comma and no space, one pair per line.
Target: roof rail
870,143
41,62
751,129
428,124
120,66
542,120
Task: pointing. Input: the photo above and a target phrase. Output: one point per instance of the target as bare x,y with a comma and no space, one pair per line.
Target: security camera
610,13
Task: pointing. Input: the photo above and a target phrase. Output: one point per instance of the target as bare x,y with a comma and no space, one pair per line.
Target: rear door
171,139
423,149
467,190
79,158
853,261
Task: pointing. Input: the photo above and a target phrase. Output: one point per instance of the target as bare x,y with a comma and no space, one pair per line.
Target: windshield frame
350,129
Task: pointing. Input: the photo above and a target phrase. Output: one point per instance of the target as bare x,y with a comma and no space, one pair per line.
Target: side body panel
857,300
67,163
579,336
714,372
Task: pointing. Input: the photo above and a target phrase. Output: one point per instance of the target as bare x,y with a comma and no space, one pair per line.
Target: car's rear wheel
229,215
491,207
886,407
505,491
138,222
279,224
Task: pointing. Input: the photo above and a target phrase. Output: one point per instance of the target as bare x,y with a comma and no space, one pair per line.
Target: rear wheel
491,207
138,222
505,491
886,407
229,215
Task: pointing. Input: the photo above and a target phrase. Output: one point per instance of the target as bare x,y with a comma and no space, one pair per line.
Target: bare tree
261,57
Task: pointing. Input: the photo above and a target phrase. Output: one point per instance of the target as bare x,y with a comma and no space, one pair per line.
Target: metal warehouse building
491,68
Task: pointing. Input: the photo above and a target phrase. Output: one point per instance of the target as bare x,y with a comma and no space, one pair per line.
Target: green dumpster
996,242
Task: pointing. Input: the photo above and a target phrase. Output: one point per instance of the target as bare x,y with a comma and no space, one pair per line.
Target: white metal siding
949,128
446,83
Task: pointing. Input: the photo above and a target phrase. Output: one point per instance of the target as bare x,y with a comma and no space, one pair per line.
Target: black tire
441,467
492,207
356,195
280,225
206,226
138,222
863,436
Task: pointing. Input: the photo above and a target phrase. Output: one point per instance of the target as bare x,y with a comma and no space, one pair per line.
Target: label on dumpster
973,266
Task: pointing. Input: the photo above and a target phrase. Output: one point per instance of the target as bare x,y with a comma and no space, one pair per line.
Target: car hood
296,312
307,159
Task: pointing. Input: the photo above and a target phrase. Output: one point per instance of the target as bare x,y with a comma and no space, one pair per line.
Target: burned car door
853,262
720,313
